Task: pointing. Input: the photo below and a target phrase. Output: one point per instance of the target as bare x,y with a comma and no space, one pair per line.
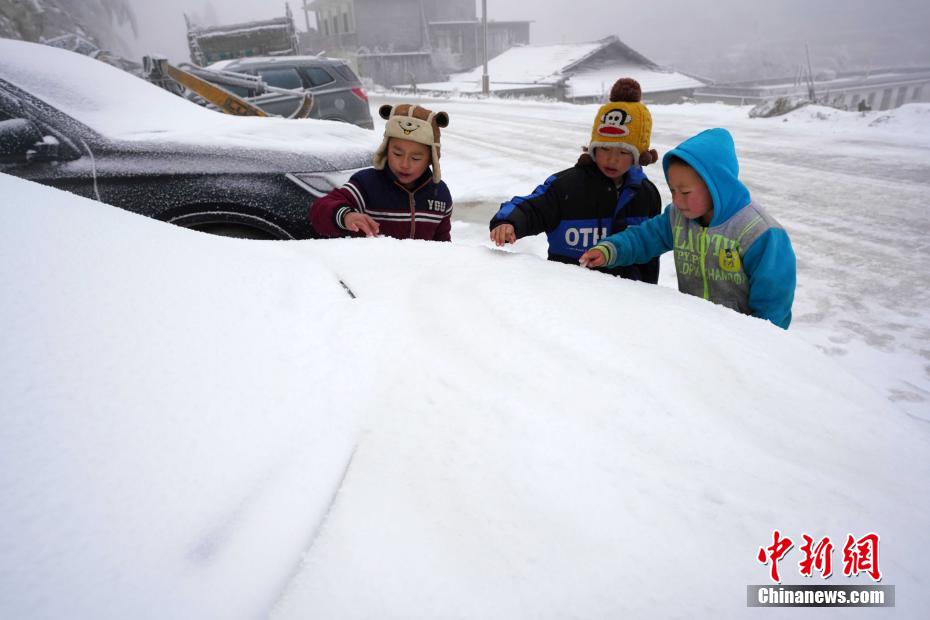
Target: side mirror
17,137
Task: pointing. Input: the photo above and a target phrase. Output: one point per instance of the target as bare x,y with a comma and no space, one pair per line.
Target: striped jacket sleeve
327,214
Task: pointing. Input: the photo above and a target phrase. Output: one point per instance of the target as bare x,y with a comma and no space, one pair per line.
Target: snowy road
850,188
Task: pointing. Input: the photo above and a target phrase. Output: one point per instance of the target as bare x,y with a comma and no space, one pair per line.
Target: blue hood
712,154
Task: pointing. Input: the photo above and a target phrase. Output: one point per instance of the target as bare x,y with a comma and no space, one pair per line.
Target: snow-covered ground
850,188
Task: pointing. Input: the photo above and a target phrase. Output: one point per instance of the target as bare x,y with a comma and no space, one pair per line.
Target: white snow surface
202,427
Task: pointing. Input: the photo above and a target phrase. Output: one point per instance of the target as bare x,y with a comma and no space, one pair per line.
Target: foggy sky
667,31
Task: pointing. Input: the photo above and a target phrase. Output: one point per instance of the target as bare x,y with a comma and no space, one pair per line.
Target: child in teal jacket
727,248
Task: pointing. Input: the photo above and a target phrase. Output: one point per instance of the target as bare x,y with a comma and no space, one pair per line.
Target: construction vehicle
270,37
190,79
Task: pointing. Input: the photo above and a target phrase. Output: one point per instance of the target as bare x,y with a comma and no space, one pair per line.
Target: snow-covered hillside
201,427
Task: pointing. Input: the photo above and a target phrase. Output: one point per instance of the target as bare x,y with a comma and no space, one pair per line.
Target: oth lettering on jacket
588,236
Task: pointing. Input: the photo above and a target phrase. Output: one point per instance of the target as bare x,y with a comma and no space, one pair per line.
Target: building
881,89
577,72
407,41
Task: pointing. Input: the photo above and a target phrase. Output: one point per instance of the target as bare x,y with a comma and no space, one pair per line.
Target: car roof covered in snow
122,106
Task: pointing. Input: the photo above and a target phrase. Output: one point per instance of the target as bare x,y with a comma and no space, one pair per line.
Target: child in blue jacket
604,193
727,248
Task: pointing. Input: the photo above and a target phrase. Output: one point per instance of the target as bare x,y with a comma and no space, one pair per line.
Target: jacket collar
424,179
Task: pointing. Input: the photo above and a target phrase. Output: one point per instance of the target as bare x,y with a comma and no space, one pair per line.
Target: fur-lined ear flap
442,119
385,111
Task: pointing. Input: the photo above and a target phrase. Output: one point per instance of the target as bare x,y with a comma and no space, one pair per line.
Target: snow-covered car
75,123
221,431
337,91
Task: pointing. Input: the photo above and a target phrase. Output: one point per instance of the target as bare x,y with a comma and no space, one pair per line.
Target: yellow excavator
206,84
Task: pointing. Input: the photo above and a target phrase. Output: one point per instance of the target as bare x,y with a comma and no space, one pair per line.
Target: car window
346,72
318,76
284,77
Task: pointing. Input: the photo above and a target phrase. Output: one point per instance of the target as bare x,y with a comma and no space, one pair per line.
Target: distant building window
918,91
345,22
325,23
335,24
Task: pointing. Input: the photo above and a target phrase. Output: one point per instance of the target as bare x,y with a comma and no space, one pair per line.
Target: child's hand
503,234
592,258
359,222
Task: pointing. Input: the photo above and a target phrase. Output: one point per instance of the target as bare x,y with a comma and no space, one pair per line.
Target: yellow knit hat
624,123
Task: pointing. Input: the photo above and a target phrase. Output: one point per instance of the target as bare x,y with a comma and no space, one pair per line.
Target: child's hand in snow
503,234
359,222
592,258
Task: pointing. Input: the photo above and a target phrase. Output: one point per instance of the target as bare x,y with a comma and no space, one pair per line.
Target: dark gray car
337,92
75,123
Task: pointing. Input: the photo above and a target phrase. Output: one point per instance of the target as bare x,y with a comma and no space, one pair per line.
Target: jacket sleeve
649,203
327,213
538,212
772,269
443,231
638,244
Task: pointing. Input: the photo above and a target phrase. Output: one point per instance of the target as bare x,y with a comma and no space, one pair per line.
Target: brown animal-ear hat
414,123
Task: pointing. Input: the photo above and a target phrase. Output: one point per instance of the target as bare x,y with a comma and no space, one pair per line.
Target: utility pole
810,76
307,15
485,80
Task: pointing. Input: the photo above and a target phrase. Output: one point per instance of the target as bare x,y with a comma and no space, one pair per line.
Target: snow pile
204,427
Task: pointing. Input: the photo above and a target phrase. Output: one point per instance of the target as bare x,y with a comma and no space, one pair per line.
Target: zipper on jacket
412,202
703,243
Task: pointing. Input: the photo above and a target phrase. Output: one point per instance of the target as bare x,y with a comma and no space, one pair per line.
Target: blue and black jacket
579,206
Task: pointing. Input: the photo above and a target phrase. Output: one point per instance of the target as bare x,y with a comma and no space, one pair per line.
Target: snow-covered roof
532,64
532,67
596,82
